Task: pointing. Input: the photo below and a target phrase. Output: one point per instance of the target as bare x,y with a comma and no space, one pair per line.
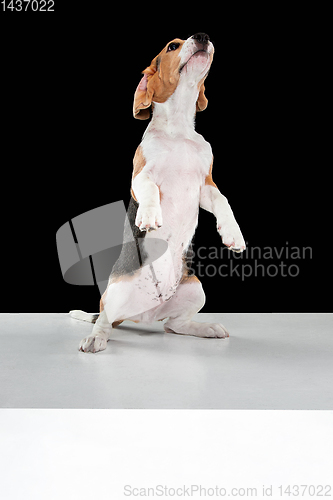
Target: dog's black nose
201,38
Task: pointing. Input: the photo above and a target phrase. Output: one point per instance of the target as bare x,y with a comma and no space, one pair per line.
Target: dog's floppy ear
202,101
158,83
145,91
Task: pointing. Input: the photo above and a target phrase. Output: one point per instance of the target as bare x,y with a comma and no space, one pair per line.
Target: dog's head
190,59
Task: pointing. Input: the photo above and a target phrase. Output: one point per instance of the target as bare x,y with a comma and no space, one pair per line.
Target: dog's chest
178,166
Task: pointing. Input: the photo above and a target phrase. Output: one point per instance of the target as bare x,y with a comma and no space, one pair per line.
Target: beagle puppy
172,178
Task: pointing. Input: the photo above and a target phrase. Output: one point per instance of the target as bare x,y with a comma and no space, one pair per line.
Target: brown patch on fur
189,279
101,303
139,162
116,323
209,179
202,101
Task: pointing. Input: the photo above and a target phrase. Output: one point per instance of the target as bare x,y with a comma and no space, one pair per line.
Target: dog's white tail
83,316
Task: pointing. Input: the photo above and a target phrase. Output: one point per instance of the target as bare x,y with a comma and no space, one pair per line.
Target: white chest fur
178,166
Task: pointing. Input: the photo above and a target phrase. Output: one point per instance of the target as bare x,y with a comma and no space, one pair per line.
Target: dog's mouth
199,51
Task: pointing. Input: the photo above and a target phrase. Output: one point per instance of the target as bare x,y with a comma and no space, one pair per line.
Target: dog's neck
175,117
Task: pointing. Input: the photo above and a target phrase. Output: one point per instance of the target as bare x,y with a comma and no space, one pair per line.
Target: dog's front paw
149,218
232,237
93,343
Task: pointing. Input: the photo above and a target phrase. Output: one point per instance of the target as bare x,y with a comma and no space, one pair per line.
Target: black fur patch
132,255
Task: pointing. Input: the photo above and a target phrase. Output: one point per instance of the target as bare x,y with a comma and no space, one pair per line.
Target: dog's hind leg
187,301
127,298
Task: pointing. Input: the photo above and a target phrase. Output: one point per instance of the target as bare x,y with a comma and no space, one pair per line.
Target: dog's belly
159,281
179,224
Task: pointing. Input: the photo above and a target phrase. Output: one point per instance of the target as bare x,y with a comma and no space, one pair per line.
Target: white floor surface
270,361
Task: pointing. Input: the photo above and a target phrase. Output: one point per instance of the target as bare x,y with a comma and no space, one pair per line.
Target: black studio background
67,85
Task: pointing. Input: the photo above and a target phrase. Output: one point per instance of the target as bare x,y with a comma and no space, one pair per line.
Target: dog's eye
173,46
